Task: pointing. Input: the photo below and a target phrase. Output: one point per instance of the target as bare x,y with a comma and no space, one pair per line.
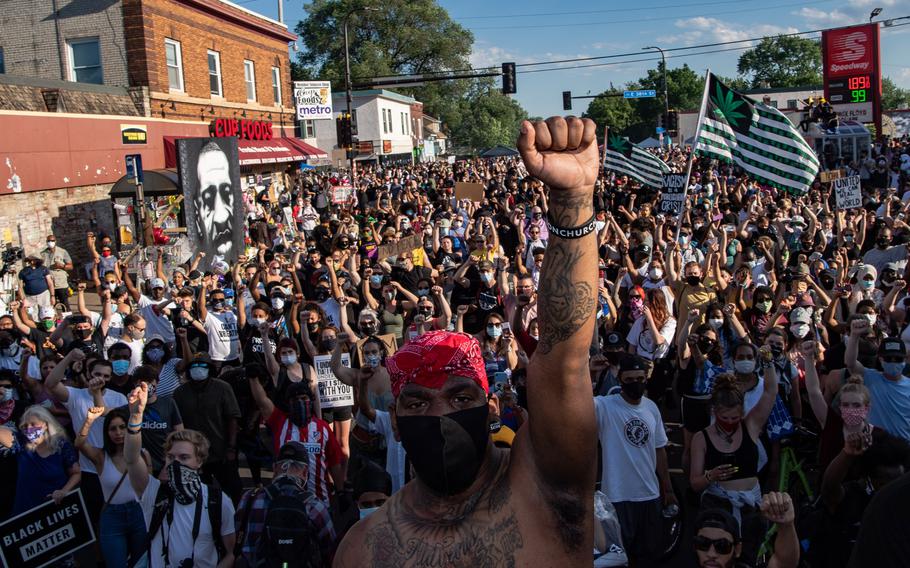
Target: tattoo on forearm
569,211
564,304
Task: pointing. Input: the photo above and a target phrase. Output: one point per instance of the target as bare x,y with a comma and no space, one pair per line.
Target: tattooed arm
563,154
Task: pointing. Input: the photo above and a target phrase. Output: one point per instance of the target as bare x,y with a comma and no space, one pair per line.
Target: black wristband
573,232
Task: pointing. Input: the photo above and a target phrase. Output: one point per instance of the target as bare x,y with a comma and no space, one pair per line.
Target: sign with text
472,191
46,533
673,194
342,194
830,175
313,100
404,244
134,134
640,94
847,192
332,392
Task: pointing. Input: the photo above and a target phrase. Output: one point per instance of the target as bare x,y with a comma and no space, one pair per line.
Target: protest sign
847,192
672,196
472,191
830,175
289,220
332,392
391,344
404,244
46,533
341,194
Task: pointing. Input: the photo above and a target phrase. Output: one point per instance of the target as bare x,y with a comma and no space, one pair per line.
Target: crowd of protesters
752,327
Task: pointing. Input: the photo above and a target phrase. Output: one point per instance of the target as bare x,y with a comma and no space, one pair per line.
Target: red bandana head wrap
431,358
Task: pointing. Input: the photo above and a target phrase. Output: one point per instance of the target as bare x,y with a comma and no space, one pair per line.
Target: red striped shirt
322,447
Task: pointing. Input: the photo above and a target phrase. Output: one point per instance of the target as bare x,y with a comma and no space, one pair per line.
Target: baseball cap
632,363
156,283
613,341
295,451
484,265
718,519
800,315
797,220
47,312
201,359
892,346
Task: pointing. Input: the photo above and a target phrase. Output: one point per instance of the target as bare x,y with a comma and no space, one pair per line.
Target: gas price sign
850,90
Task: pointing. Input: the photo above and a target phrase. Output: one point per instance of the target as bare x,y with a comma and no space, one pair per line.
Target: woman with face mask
251,336
863,284
285,369
390,309
725,455
730,331
652,334
48,465
498,346
122,527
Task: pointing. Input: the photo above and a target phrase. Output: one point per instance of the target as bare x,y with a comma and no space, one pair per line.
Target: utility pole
347,84
663,60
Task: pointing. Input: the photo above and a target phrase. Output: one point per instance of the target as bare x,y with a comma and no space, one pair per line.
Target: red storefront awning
253,152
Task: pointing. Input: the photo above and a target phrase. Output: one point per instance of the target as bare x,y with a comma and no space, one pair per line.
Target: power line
582,12
642,20
680,56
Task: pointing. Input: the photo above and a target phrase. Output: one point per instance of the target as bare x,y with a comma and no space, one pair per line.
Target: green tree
736,83
486,118
396,37
782,61
611,111
894,97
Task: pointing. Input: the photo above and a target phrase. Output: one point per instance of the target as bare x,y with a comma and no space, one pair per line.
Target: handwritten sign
46,533
472,191
391,344
673,194
404,244
847,192
342,194
332,392
831,175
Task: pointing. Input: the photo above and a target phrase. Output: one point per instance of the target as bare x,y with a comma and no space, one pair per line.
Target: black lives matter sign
46,533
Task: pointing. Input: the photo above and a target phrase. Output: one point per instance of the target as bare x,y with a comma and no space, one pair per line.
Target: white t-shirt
136,347
180,538
641,337
224,342
629,435
155,324
80,400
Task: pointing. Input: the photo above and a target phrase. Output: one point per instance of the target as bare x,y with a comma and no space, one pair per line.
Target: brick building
95,80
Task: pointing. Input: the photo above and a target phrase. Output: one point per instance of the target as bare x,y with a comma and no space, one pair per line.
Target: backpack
165,500
289,537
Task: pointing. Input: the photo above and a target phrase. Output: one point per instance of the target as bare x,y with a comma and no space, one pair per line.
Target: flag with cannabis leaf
626,158
756,137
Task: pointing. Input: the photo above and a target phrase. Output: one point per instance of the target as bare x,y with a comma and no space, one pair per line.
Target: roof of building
383,93
52,95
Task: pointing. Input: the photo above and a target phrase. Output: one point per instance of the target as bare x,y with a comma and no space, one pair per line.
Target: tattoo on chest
479,533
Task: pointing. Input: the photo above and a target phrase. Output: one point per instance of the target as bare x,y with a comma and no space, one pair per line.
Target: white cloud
491,56
822,17
709,30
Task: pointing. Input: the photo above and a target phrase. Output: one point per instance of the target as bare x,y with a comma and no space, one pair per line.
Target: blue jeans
123,534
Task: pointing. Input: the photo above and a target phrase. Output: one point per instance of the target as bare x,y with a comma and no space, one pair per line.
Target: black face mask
613,357
693,280
83,333
883,242
329,344
426,312
313,327
777,350
446,451
369,328
321,294
827,283
634,390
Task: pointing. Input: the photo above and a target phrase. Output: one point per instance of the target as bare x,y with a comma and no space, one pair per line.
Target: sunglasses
721,545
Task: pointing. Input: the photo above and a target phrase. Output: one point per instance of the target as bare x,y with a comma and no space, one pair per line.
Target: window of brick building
85,60
174,59
276,85
309,129
249,75
2,62
215,73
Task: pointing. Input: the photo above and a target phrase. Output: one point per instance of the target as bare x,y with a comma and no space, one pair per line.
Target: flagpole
701,120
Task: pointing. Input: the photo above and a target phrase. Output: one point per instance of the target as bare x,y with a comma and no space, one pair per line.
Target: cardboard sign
332,392
342,194
472,191
403,245
391,344
46,533
673,194
847,192
831,175
289,220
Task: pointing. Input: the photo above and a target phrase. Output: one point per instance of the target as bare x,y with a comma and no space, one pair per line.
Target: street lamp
347,79
664,63
874,13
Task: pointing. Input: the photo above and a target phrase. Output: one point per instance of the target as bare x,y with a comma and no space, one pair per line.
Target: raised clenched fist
561,152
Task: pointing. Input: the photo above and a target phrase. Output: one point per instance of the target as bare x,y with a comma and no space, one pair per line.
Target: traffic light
673,121
567,100
343,130
508,78
661,121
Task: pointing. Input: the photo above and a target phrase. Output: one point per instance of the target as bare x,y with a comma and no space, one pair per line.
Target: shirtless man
473,504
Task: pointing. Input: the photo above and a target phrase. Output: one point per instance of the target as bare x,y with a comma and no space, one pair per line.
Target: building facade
87,82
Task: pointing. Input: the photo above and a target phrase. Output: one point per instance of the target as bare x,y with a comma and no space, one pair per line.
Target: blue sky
541,30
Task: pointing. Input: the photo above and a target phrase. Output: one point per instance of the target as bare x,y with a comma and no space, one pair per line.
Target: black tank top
745,457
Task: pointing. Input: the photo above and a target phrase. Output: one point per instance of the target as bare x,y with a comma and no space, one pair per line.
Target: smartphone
506,328
500,382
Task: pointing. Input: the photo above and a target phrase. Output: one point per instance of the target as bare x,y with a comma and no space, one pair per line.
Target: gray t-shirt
158,420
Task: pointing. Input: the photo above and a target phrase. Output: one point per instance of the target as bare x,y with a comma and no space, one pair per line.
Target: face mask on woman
744,366
494,331
800,330
155,354
853,416
288,359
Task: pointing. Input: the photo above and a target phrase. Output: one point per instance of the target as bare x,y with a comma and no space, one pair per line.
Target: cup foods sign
313,100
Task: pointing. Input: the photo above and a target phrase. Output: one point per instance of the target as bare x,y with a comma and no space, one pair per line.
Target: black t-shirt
409,278
199,341
124,388
39,338
208,408
93,344
251,340
884,536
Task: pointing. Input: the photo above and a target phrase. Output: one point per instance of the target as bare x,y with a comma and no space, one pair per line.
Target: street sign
134,168
642,94
661,130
